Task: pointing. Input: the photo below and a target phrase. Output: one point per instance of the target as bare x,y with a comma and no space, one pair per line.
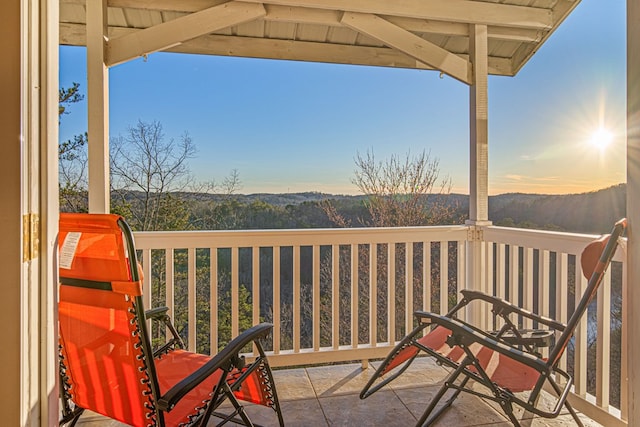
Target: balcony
327,292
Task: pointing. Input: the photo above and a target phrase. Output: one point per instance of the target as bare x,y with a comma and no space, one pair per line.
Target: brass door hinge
30,236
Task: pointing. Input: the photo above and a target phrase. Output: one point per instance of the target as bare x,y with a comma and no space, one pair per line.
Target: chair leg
427,417
405,343
567,405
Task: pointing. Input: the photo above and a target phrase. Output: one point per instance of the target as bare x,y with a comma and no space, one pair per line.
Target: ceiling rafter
464,11
410,44
170,33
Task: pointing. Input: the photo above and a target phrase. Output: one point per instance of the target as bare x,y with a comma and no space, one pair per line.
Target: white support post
633,209
478,158
479,127
98,106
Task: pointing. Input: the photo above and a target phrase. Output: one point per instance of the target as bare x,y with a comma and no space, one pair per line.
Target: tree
72,158
399,192
145,170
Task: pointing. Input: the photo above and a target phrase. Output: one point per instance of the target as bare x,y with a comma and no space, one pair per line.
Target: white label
68,250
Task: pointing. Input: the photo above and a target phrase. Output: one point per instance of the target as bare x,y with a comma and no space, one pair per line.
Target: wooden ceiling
419,34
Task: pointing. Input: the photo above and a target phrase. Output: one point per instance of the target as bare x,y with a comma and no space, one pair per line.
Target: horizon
293,127
429,194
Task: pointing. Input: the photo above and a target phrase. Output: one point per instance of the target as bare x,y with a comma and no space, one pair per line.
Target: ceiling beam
253,47
170,33
410,44
465,11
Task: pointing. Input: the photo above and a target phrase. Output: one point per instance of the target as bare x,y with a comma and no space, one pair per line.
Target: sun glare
601,138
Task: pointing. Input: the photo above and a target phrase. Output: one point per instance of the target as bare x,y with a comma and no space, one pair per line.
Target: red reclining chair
107,364
504,363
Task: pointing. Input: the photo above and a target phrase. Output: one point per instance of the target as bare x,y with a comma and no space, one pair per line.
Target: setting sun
601,138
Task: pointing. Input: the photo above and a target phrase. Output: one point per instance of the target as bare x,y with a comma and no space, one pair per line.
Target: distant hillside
592,212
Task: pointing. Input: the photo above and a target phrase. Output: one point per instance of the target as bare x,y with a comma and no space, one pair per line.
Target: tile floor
329,396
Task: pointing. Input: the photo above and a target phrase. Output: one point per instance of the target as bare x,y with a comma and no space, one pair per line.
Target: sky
289,126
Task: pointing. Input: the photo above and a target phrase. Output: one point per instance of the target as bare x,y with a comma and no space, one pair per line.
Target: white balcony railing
327,291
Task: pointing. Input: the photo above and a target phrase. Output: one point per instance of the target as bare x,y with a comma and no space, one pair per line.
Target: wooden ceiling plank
164,5
465,11
165,35
410,44
302,15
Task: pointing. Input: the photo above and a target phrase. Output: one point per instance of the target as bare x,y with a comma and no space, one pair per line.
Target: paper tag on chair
68,249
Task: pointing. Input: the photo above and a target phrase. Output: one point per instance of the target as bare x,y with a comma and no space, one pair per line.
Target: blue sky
293,126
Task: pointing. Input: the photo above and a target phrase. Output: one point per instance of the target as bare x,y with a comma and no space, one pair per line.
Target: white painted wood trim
98,107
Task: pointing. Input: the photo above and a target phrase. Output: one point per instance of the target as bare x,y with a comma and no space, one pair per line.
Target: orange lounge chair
505,363
107,364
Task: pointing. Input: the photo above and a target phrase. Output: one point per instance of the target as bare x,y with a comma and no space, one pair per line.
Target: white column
633,209
98,106
478,162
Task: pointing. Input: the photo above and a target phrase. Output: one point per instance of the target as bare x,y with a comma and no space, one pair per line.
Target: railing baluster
255,287
444,277
489,275
391,293
335,296
580,349
426,276
147,284
562,292
527,285
296,299
213,299
191,303
373,294
170,283
354,295
276,299
514,274
316,298
501,274
603,342
235,291
544,289
408,284
624,405
461,267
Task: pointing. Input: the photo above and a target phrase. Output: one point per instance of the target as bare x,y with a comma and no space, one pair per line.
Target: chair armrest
225,359
464,335
161,315
501,306
157,313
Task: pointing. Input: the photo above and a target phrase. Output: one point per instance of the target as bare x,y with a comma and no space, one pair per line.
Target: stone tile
423,371
467,410
338,379
294,413
91,419
293,384
380,409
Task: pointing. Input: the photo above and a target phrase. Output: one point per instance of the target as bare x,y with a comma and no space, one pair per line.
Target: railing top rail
556,241
298,237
